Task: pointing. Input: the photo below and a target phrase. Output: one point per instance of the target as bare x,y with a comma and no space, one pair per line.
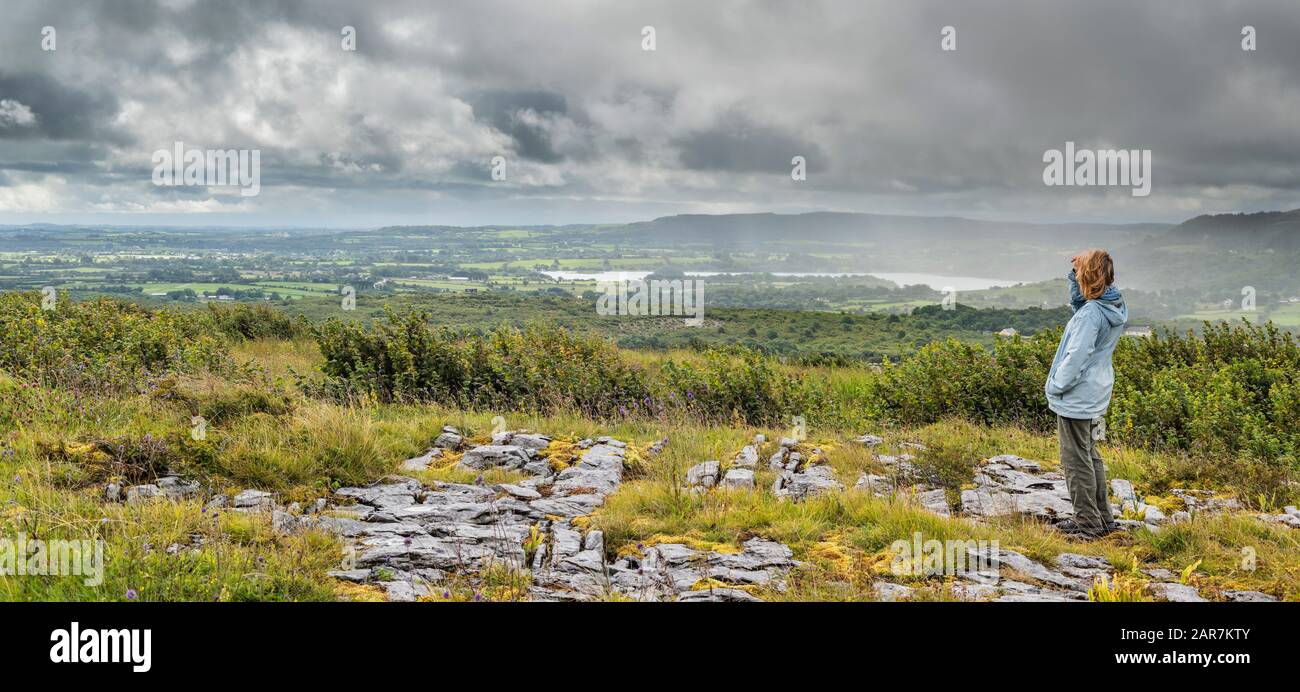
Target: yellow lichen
358,593
833,554
694,543
711,583
560,454
447,460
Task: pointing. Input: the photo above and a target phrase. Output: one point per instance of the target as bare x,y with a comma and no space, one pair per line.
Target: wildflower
446,594
132,594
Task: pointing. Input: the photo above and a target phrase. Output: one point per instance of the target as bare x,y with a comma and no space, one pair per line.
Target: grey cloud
506,111
601,130
737,144
62,112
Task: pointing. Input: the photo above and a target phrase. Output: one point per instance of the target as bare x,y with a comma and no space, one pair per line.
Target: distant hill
1267,230
1226,251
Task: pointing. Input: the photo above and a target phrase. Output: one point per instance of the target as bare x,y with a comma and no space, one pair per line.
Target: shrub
948,458
744,386
541,367
101,345
256,321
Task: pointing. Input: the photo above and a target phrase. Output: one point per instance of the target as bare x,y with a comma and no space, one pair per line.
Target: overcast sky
595,129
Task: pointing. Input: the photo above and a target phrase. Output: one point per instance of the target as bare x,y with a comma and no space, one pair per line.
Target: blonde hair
1095,271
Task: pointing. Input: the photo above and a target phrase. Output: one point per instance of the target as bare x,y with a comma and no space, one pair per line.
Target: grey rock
1017,463
342,526
422,462
1292,510
759,439
1010,559
719,595
522,438
565,541
405,532
974,591
777,460
747,459
890,592
1291,520
880,485
519,491
483,457
1173,591
113,492
1160,573
703,475
815,480
1003,489
1123,490
357,576
1152,514
586,479
1180,516
254,499
449,439
404,591
174,488
384,495
1248,597
141,493
1082,566
789,443
739,479
568,506
284,523
870,441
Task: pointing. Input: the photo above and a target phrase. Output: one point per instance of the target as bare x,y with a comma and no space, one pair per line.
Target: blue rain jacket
1081,379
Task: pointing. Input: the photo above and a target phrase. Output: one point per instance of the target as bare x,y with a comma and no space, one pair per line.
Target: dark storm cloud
736,144
507,111
708,122
61,112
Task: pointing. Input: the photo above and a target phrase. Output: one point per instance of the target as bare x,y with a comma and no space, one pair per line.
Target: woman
1079,385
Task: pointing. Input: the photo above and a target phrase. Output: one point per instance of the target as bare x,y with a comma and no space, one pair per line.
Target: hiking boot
1070,527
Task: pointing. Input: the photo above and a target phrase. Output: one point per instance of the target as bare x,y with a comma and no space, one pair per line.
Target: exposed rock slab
800,485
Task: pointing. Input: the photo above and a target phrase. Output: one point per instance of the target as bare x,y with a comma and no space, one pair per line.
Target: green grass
266,433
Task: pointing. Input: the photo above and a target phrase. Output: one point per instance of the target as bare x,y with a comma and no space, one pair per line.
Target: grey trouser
1085,476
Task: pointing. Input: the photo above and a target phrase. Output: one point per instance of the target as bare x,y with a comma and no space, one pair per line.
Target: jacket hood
1112,306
